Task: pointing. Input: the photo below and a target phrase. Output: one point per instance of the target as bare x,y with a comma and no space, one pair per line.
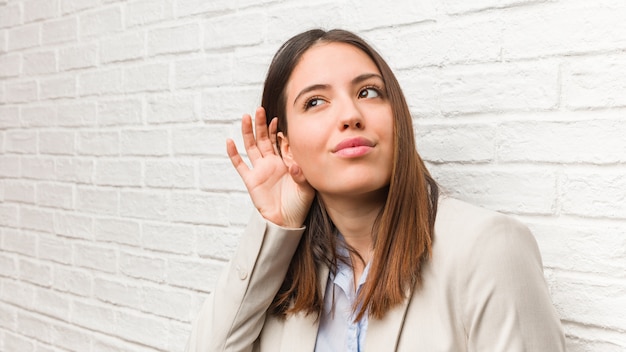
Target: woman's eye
369,93
311,103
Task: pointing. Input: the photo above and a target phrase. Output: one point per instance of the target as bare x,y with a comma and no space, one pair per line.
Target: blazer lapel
300,330
383,334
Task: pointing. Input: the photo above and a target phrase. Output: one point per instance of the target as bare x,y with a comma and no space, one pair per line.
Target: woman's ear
285,149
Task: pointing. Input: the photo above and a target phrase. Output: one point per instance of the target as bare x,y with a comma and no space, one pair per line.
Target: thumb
298,177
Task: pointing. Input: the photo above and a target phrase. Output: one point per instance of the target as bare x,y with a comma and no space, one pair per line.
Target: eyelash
378,90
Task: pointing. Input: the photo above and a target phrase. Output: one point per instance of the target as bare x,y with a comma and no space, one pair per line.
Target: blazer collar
383,334
300,332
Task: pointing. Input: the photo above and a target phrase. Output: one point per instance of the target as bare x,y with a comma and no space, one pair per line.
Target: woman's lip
354,142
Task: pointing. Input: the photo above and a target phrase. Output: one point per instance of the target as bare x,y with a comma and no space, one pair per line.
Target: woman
352,248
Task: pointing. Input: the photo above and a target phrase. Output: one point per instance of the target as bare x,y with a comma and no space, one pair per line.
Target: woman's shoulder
468,230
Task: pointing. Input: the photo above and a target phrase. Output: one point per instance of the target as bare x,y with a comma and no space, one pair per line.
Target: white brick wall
118,206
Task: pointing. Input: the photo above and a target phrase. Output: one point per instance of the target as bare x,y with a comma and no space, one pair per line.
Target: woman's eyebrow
364,77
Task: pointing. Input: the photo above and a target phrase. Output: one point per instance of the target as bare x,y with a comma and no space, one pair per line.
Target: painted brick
37,219
38,116
152,77
217,242
21,141
19,191
99,143
54,249
35,273
123,47
458,7
372,15
240,208
167,303
145,142
170,174
499,88
37,168
142,267
75,115
576,143
171,40
19,294
75,281
35,10
229,104
19,241
596,193
558,29
73,226
200,140
74,170
60,31
20,92
35,326
199,208
96,317
194,7
10,15
456,143
215,70
499,189
219,174
100,82
250,66
58,87
141,328
8,268
240,29
97,200
71,338
120,112
101,21
141,12
96,257
9,117
9,166
57,142
118,231
168,238
172,108
115,172
117,292
595,82
13,342
23,37
9,66
9,215
145,205
52,303
193,273
41,62
78,56
69,6
55,195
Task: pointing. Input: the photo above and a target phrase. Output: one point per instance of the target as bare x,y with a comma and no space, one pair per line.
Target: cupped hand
282,195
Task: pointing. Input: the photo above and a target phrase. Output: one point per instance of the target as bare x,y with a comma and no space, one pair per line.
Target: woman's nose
351,117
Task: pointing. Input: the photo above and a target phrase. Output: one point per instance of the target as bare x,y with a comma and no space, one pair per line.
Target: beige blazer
483,291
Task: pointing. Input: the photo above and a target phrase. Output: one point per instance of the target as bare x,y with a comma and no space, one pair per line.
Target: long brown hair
403,231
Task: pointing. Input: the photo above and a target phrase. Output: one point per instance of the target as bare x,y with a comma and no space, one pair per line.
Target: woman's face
340,122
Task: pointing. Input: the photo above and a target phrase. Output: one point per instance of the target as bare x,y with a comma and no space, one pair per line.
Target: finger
273,130
263,139
249,141
235,159
298,176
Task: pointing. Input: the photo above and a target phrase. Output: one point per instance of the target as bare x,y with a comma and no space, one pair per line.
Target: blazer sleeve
506,304
232,316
